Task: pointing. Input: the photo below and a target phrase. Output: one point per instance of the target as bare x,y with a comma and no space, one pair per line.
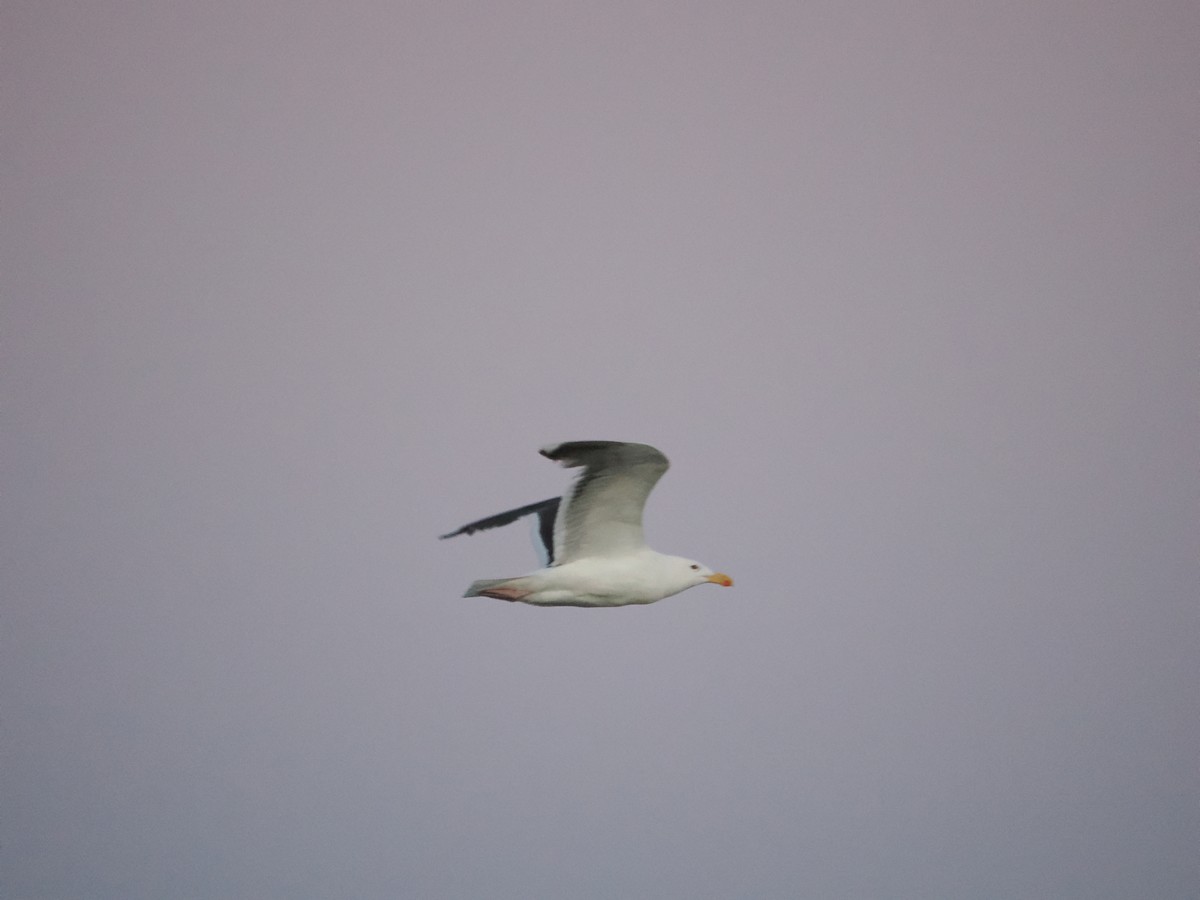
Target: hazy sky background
907,292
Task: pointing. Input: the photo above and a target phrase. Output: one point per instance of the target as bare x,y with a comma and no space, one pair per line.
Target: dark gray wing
602,511
546,511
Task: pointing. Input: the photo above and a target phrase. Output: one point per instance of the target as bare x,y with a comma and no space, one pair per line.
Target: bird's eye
695,567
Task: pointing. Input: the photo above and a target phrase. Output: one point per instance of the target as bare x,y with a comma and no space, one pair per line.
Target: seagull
591,537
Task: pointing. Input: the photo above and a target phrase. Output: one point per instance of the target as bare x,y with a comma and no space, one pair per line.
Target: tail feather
478,587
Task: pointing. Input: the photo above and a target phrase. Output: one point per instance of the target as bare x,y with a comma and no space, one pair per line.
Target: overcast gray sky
907,293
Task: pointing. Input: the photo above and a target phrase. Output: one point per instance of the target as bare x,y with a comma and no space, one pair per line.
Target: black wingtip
542,506
466,529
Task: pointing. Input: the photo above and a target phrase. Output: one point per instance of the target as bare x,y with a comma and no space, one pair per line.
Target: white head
689,573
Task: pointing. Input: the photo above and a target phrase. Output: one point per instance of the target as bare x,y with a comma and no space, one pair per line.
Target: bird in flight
591,537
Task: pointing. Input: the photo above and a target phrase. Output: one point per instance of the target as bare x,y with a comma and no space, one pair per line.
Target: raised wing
546,511
601,513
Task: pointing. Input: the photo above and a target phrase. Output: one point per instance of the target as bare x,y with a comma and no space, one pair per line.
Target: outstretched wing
601,514
546,511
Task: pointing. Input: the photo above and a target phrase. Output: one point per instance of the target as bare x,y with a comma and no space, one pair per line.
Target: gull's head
698,573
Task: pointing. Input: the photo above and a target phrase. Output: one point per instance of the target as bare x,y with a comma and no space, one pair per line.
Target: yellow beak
721,579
